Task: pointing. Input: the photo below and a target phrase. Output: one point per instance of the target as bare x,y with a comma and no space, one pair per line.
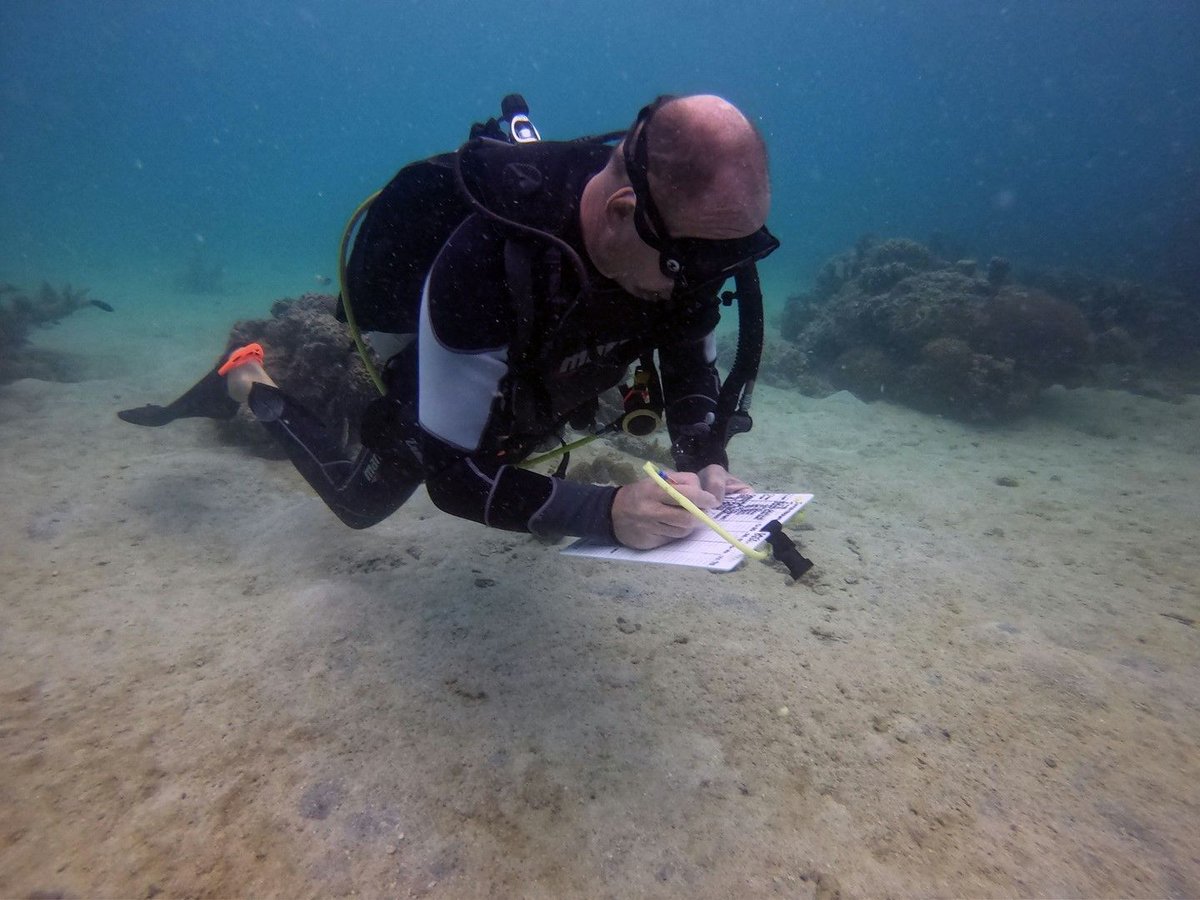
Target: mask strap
649,221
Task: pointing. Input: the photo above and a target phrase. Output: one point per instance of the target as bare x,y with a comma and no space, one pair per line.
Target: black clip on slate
785,551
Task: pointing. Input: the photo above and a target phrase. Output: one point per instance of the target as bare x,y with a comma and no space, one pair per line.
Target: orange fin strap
241,356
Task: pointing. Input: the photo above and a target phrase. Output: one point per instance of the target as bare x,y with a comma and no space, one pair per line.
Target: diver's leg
360,491
241,379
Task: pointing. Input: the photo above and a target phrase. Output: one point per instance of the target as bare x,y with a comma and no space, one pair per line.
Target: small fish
101,304
324,280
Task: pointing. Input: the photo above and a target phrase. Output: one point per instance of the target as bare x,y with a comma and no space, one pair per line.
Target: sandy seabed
988,686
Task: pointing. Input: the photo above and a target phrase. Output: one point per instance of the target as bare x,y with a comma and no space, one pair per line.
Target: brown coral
1044,335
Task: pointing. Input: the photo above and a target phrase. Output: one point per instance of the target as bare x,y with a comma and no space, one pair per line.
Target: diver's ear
621,203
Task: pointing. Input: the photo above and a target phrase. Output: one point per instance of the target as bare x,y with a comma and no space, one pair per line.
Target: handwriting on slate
742,515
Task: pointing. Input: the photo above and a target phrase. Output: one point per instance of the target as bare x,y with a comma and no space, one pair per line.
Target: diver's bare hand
719,482
645,516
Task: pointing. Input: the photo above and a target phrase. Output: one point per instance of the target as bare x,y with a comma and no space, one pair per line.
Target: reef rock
891,319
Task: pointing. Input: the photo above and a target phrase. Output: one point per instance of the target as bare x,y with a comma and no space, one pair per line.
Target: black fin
207,399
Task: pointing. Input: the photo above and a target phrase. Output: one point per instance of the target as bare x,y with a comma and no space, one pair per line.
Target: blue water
140,135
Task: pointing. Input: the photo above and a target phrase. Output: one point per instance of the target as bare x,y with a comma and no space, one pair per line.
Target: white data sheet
742,515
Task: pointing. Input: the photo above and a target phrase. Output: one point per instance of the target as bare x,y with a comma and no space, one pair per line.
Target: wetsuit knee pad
389,427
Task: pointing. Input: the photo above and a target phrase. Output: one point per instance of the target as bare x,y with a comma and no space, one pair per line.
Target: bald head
708,168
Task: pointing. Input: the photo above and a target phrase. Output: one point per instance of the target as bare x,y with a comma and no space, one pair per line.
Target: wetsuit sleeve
691,384
515,499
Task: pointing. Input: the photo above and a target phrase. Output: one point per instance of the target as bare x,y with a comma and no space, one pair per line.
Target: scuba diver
532,275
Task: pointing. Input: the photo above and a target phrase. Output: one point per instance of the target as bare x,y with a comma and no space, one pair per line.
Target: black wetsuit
458,374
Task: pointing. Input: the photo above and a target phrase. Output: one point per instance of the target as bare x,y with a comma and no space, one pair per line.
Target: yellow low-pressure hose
346,306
